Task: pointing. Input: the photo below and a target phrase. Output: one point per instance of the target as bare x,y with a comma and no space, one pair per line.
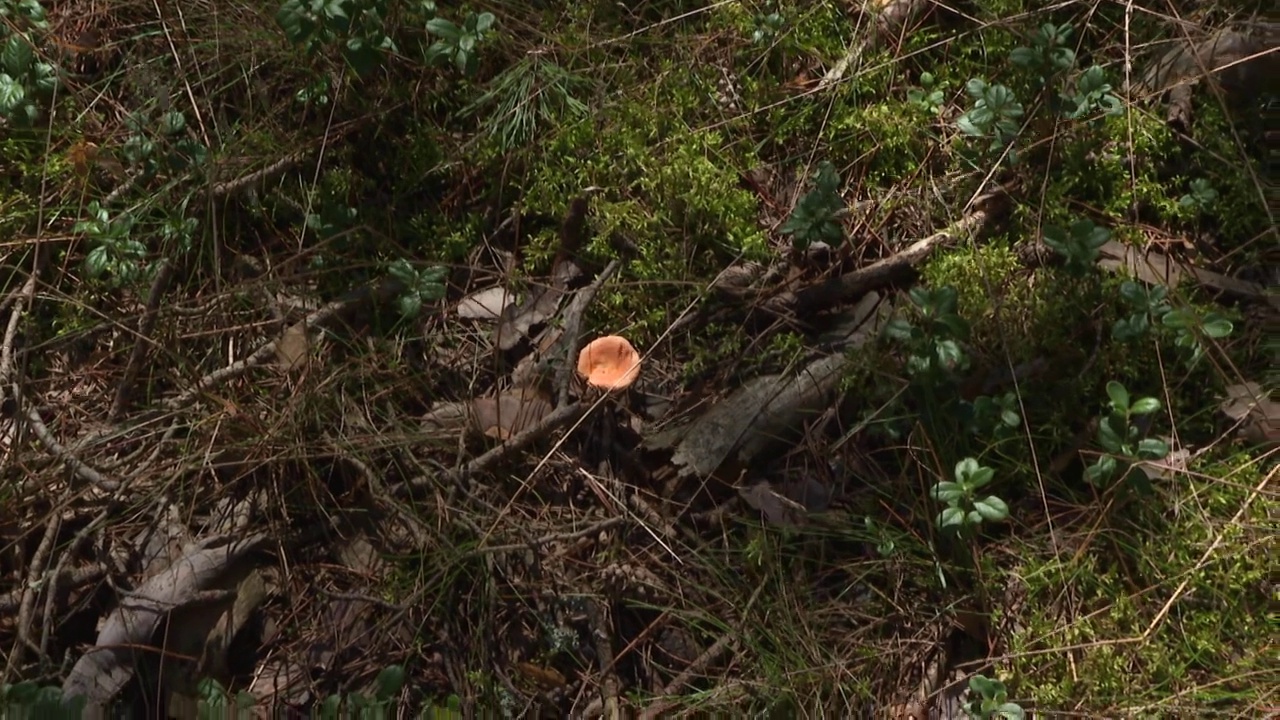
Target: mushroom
609,363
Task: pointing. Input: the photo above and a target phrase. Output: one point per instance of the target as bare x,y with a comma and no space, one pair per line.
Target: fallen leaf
519,319
293,347
510,413
488,304
777,508
1258,415
547,678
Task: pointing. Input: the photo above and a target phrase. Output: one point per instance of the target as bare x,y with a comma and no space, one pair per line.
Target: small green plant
1146,304
1123,439
25,82
816,217
1190,326
533,92
420,286
995,417
1079,244
964,508
115,254
1048,54
1092,94
768,27
1200,198
994,115
359,26
989,700
934,343
162,145
458,44
929,96
28,700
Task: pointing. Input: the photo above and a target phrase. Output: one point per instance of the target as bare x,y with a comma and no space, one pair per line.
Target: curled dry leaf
510,413
488,304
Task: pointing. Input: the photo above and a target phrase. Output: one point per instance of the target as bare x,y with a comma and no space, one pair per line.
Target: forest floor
957,339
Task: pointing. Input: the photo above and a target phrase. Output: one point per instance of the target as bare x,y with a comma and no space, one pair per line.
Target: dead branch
20,300
321,318
81,469
145,325
897,267
38,562
726,642
105,668
561,416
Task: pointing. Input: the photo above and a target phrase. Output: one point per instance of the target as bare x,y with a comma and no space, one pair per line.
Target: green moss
672,194
1210,644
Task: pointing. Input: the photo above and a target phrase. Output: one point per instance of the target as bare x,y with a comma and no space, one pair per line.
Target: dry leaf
547,678
1257,413
487,304
293,347
518,320
447,418
777,508
510,413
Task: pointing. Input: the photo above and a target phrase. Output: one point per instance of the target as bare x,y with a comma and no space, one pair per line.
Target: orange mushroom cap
609,363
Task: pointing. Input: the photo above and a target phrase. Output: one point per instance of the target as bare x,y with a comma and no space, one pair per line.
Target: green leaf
1010,418
1178,319
1145,406
947,491
11,93
389,682
991,508
1110,436
17,55
951,517
173,122
95,263
898,329
1101,471
1216,326
484,21
444,30
410,304
1119,396
1152,449
403,271
1012,711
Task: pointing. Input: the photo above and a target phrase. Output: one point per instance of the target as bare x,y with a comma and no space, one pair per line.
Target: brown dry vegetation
289,339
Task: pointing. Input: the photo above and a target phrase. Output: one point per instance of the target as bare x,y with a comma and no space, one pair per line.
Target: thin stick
573,329
558,418
78,466
148,322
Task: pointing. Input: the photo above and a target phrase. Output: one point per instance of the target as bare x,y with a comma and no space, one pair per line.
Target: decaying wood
104,669
768,410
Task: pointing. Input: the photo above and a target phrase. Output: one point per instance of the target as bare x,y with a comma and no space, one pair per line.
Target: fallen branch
882,273
26,607
148,322
321,318
78,467
726,642
561,416
104,669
